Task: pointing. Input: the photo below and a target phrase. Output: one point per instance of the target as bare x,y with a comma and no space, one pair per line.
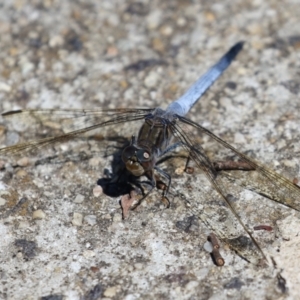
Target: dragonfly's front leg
171,148
131,201
187,168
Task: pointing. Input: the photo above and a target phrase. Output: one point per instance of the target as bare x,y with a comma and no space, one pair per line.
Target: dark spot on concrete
242,243
189,224
35,43
137,8
292,85
73,42
143,64
231,85
94,294
28,248
234,283
52,297
281,283
294,40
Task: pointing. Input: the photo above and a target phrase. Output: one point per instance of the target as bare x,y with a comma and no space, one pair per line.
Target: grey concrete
69,241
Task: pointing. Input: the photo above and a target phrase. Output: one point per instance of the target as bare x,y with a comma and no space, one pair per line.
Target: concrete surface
69,242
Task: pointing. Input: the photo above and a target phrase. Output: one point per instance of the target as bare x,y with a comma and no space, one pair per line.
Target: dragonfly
163,132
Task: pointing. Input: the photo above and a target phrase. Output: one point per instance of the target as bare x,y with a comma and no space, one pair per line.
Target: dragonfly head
136,160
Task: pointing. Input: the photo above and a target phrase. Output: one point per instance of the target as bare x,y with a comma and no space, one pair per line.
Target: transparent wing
52,126
261,180
216,208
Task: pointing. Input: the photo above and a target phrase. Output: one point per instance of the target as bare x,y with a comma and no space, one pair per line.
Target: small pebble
289,163
124,84
67,193
79,198
110,292
23,224
12,138
4,87
90,219
94,269
2,201
27,68
2,130
3,191
97,191
239,138
56,41
180,170
209,16
181,22
95,161
77,219
154,19
254,29
23,162
151,80
107,217
88,253
166,30
75,266
158,44
117,218
38,214
112,51
139,266
21,173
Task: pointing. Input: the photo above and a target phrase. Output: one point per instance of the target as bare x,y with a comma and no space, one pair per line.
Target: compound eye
143,155
128,153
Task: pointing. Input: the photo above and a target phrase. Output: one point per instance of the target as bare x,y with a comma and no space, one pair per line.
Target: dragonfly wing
217,210
220,220
261,180
66,124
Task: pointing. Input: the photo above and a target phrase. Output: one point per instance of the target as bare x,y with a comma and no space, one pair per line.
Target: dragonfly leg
152,183
171,148
130,200
187,169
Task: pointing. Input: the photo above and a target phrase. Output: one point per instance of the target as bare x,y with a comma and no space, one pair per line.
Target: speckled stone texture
68,240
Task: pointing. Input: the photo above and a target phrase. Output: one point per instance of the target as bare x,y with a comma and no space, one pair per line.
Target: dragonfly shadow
115,182
119,181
